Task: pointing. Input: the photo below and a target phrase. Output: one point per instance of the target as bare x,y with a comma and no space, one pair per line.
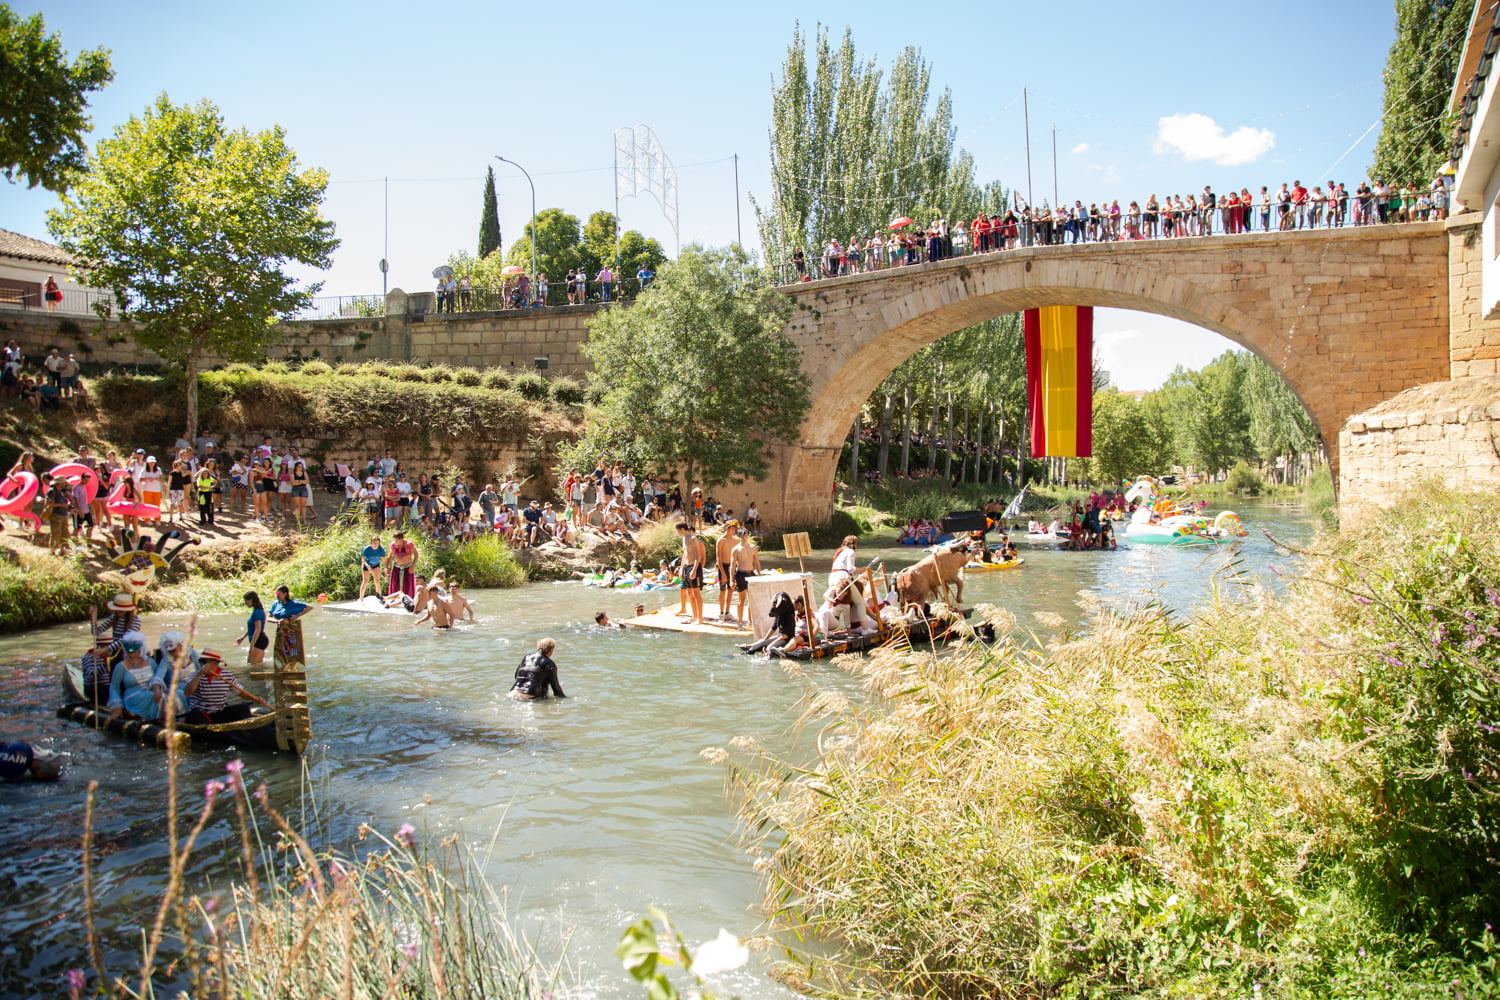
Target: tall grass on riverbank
393,920
44,590
1296,797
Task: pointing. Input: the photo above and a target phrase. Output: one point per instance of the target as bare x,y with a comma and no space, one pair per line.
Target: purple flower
406,832
1361,599
410,950
235,766
212,788
76,982
260,793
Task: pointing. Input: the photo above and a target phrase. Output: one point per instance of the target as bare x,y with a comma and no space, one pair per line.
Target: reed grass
44,590
1290,797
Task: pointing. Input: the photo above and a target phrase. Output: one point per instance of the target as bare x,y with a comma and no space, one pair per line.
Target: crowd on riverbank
1290,207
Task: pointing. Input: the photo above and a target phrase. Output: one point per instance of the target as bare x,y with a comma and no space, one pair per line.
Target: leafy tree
1130,438
701,376
559,244
42,102
1419,73
489,218
189,225
1280,426
1214,414
564,245
851,147
637,251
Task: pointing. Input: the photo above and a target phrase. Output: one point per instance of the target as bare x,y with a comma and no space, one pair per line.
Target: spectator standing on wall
606,279
465,293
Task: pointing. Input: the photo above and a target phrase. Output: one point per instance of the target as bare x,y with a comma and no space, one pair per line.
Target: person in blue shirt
369,566
137,687
645,276
255,629
286,609
19,761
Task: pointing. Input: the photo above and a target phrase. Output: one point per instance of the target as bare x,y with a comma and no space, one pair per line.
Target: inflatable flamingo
120,507
16,494
74,473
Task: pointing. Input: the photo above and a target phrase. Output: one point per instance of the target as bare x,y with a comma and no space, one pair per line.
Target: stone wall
504,339
1474,338
1445,430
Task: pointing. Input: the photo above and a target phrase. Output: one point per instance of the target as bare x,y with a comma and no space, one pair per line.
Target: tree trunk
932,424
854,454
906,430
190,386
978,444
882,464
948,439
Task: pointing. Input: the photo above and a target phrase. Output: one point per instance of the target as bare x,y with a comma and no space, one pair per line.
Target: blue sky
1162,97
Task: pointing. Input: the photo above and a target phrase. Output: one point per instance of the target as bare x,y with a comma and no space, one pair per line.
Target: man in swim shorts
722,550
694,553
744,562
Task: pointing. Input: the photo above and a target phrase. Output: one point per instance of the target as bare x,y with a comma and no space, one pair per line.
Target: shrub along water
1298,797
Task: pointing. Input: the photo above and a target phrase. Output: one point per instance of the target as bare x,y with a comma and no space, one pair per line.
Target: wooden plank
667,620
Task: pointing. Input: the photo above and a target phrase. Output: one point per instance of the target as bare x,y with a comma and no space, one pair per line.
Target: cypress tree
489,220
1417,119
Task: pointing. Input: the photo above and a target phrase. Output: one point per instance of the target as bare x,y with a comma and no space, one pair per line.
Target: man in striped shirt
209,689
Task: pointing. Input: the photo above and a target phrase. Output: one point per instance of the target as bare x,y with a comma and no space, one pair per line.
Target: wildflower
76,983
1361,599
720,955
260,794
235,766
212,788
406,833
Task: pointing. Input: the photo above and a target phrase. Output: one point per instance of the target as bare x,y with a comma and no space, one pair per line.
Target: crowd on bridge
1290,207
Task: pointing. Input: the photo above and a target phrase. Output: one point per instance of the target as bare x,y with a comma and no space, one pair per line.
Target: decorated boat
258,732
1160,520
831,645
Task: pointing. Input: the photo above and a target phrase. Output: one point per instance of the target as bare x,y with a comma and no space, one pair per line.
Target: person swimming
603,621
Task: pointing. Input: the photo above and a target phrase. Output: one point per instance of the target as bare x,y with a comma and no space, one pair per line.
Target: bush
567,391
437,373
316,368
380,369
347,368
51,590
531,386
485,562
1243,479
496,378
272,368
1296,793
407,373
470,377
658,541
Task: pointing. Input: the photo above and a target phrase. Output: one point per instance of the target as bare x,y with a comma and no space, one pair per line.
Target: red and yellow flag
1060,380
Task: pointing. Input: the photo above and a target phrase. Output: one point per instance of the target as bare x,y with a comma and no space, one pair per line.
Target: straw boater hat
121,602
209,653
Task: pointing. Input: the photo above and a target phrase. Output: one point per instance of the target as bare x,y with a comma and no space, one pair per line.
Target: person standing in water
537,674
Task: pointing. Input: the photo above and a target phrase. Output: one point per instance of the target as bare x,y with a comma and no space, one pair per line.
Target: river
588,809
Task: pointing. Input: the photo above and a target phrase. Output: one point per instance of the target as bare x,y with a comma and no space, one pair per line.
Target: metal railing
895,251
342,307
553,293
75,301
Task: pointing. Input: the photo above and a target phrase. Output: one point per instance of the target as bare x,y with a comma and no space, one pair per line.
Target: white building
25,265
1476,144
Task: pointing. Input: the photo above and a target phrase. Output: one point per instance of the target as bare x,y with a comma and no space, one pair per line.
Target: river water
587,809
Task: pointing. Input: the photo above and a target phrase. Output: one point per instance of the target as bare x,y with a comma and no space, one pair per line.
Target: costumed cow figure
941,572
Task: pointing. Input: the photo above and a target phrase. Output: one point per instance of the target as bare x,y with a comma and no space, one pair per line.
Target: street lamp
533,213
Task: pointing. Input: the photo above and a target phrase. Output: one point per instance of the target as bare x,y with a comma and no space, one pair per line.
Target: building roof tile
26,248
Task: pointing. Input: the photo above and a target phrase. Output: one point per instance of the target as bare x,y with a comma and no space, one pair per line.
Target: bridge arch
1348,318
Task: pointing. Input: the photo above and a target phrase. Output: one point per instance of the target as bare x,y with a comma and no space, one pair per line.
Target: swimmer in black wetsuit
537,674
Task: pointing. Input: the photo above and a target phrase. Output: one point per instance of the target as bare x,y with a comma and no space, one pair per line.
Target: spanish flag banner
1060,380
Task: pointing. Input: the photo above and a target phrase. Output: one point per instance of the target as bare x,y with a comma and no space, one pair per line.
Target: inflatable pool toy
16,494
120,507
74,473
1160,521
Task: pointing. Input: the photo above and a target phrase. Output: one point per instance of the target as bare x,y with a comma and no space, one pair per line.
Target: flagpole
1026,112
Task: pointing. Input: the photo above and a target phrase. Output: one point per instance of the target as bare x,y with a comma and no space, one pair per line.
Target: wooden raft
666,619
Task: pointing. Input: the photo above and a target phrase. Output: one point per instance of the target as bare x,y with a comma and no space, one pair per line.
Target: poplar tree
853,146
1418,118
489,218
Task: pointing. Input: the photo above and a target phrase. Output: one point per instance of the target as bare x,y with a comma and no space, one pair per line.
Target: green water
589,809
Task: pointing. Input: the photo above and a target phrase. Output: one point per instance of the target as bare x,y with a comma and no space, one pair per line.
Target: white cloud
1110,174
1082,147
1199,137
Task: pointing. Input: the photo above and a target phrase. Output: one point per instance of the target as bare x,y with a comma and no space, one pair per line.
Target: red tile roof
26,248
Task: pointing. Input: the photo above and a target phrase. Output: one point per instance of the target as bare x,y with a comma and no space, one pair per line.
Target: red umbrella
903,221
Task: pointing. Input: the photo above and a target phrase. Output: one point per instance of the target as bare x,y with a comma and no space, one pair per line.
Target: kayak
990,567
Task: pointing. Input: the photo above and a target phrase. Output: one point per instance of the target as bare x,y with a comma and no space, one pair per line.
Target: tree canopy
700,376
563,245
1419,72
43,99
189,224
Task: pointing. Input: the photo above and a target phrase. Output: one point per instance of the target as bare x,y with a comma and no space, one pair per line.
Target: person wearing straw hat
122,618
209,688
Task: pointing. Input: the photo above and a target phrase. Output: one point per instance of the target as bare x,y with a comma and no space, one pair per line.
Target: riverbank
1294,797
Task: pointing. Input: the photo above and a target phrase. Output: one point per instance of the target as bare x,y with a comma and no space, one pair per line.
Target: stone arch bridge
1349,317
